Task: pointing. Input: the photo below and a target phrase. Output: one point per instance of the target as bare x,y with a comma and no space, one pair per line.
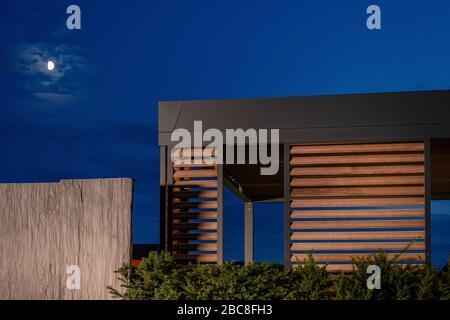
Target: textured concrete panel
47,227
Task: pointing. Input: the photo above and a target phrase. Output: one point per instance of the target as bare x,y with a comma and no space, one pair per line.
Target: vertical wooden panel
287,212
169,197
47,227
220,216
163,198
341,182
196,211
428,199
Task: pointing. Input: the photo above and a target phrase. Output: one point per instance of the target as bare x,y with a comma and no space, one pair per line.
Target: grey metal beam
235,189
286,215
375,133
220,224
400,115
248,233
168,114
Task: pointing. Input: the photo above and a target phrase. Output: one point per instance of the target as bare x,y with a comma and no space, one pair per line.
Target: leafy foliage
398,282
159,278
156,278
308,281
232,281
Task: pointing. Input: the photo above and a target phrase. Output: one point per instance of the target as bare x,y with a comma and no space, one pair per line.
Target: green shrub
308,281
158,277
444,283
232,281
354,287
410,282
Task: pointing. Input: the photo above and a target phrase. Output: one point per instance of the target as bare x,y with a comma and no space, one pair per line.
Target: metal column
248,234
163,198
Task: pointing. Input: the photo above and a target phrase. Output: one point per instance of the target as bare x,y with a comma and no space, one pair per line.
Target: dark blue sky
97,115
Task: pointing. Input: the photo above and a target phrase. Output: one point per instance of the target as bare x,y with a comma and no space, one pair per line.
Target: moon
50,65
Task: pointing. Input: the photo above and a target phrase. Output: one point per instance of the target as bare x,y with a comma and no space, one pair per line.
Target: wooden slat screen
194,212
351,200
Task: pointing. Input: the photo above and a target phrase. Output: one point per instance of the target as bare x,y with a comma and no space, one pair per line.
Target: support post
286,178
220,257
248,234
163,198
428,200
169,212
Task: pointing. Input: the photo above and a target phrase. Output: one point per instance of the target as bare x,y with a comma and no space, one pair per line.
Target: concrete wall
46,227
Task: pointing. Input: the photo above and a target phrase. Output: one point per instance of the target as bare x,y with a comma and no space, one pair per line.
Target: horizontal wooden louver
194,212
351,200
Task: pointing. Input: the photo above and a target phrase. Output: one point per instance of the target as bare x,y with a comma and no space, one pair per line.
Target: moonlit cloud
53,97
58,85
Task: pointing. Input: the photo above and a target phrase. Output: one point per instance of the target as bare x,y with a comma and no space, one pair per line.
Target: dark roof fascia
312,119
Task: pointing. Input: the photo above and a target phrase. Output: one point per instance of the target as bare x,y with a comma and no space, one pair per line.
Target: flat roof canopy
377,117
353,117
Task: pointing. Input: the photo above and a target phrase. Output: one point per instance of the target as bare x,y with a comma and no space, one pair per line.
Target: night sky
95,116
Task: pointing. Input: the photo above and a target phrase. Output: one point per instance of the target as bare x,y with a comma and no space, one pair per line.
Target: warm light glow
50,65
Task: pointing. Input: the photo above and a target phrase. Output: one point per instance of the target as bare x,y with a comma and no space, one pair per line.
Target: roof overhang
401,116
352,117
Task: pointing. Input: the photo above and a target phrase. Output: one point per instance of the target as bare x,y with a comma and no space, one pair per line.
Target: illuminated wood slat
346,268
196,183
358,181
195,247
357,159
334,268
194,174
358,224
345,257
338,267
196,225
188,179
179,166
194,205
193,152
358,148
196,194
357,175
196,257
357,202
358,235
358,191
377,213
195,215
350,246
357,170
195,236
